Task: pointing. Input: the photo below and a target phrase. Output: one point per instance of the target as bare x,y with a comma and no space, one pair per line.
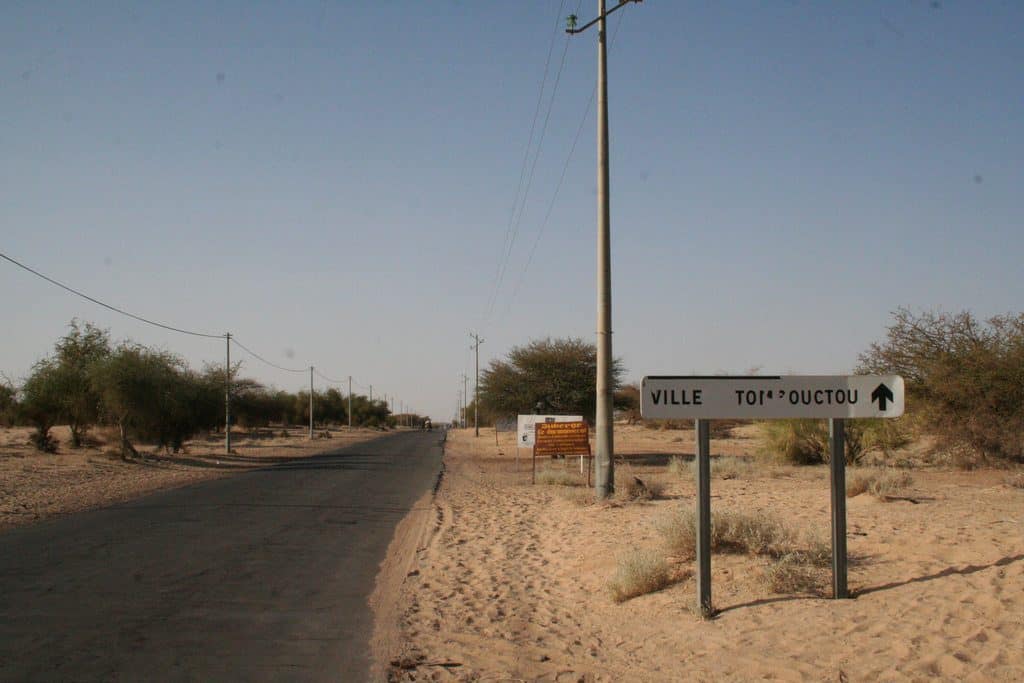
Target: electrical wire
505,247
561,180
161,325
327,379
108,306
261,358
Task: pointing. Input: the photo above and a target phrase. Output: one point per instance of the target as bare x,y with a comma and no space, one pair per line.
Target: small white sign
787,396
524,432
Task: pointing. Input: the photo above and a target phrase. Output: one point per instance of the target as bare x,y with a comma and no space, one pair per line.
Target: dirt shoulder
36,486
511,582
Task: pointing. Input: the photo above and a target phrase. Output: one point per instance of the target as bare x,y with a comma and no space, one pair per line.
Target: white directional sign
787,396
524,435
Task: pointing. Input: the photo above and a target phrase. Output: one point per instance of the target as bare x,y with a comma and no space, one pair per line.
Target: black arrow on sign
882,394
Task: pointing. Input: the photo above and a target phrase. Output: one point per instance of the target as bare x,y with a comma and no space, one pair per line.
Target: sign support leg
702,436
533,474
837,466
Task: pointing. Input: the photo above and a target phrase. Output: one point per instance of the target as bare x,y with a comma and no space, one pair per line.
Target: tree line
153,396
964,385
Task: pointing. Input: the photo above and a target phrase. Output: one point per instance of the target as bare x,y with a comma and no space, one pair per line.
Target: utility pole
371,395
477,341
227,397
604,461
465,399
310,401
350,402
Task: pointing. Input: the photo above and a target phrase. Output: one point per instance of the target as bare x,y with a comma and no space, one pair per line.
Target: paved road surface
258,576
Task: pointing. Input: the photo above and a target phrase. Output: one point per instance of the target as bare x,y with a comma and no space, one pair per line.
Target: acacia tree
556,375
965,378
76,352
41,402
151,395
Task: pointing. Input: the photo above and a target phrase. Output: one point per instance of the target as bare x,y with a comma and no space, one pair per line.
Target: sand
36,486
508,581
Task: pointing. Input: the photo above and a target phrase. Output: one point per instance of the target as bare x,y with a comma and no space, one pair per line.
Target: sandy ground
35,486
508,582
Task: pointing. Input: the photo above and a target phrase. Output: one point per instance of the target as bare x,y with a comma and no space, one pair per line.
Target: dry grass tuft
639,572
726,467
737,532
791,573
580,495
677,466
558,477
634,488
882,484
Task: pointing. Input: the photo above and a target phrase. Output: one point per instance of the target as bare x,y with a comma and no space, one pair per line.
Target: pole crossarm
572,19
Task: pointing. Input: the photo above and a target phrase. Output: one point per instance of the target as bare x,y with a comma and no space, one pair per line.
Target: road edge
412,534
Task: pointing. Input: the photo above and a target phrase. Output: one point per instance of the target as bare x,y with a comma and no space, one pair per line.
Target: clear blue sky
332,182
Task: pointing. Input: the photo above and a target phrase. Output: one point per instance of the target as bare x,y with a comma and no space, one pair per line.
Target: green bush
965,378
806,441
42,402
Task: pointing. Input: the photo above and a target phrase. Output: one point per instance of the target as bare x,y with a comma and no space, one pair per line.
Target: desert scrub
731,532
579,495
677,466
882,484
639,572
726,467
791,573
634,488
558,477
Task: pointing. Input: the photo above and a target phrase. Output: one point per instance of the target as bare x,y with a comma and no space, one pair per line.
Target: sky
357,186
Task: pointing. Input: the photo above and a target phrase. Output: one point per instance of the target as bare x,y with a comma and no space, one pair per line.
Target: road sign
786,396
524,435
562,438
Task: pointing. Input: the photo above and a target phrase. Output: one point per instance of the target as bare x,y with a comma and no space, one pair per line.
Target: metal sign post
837,469
837,398
703,440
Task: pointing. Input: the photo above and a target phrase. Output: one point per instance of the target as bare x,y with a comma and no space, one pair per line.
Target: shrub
639,572
151,395
726,467
42,402
731,532
965,378
8,404
806,441
881,484
634,488
558,477
795,442
792,574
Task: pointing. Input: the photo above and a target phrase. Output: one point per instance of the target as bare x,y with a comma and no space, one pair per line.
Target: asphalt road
259,576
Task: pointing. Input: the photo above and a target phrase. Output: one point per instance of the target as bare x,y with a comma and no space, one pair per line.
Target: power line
328,379
108,306
261,358
561,179
509,240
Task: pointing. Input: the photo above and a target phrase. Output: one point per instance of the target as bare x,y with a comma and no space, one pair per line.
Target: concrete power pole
350,402
604,461
465,399
477,341
227,397
310,401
